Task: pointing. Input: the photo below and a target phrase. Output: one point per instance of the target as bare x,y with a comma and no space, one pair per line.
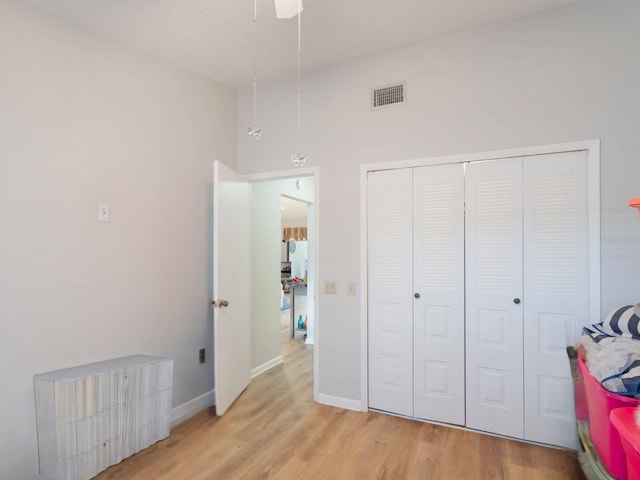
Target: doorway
268,296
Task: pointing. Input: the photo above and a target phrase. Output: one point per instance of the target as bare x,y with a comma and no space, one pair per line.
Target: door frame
593,168
315,173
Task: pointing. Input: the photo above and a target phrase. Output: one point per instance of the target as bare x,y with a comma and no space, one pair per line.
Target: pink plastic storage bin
604,435
579,393
624,419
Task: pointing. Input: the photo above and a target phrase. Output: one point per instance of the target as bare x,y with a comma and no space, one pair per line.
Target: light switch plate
351,288
330,287
103,212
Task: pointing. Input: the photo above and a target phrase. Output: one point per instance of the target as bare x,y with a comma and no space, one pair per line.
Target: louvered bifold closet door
390,291
494,330
438,212
556,290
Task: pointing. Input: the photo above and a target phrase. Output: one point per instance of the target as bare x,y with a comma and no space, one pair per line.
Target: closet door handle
516,301
417,295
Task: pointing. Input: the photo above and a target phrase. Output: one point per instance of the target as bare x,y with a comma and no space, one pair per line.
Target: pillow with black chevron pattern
622,321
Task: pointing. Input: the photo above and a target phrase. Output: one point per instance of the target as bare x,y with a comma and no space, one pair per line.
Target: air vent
388,96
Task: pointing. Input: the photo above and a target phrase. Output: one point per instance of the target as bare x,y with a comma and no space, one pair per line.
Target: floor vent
388,96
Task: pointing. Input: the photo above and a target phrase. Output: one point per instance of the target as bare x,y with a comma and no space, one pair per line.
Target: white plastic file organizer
92,416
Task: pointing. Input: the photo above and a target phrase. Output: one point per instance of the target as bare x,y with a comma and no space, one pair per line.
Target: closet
478,279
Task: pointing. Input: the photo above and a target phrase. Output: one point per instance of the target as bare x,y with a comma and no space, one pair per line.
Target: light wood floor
276,431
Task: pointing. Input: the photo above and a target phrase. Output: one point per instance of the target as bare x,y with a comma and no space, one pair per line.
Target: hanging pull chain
253,130
299,66
255,32
299,159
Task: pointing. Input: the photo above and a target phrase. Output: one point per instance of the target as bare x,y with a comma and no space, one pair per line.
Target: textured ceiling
214,37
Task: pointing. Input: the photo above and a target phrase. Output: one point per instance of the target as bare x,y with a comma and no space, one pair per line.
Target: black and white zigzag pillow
622,321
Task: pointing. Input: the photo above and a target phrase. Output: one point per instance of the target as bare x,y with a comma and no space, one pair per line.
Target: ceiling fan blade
288,8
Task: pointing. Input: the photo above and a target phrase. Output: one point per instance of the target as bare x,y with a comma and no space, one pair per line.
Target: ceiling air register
388,95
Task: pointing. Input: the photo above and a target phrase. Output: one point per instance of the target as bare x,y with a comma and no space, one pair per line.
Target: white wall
265,253
561,76
265,274
84,120
311,275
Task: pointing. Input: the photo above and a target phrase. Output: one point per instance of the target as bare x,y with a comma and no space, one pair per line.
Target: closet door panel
390,291
494,333
556,290
438,219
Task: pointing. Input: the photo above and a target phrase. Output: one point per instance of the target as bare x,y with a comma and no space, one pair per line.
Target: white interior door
231,292
438,213
390,291
556,290
494,330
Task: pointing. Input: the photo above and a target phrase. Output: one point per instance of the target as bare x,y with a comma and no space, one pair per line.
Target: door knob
222,303
417,295
516,301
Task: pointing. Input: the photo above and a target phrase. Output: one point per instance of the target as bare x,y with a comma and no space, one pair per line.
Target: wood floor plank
275,431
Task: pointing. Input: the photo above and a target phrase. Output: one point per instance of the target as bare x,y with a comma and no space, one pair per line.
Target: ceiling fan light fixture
288,8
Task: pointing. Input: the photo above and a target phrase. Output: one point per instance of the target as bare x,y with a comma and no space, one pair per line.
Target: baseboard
341,402
266,366
189,409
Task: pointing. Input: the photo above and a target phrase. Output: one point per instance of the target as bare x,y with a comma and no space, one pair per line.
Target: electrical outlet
351,288
331,287
201,355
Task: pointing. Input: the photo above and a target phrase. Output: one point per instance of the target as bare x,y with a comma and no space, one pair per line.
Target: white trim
592,146
282,174
492,155
266,366
594,233
315,335
364,292
188,409
341,402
